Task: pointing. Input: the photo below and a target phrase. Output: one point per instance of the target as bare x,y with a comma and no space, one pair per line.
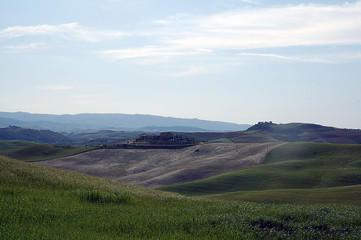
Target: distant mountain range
88,122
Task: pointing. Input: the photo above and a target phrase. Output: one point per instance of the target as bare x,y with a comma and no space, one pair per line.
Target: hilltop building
165,138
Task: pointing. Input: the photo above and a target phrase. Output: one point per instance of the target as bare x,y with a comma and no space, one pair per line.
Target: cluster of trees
40,136
261,126
166,138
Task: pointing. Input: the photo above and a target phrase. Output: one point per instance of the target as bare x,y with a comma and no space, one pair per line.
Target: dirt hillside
161,167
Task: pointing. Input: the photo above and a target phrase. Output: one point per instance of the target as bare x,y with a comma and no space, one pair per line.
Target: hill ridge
41,136
290,132
118,121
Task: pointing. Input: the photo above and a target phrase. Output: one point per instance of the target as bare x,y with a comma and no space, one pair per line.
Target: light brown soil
161,167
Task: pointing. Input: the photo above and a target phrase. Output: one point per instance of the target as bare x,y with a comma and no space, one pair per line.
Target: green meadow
46,203
6,145
312,168
29,151
337,195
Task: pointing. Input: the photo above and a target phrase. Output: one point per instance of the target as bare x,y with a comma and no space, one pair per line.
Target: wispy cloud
295,59
244,29
146,51
69,31
301,25
248,29
25,47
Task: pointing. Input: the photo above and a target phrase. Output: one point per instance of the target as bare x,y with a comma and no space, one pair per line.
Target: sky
240,61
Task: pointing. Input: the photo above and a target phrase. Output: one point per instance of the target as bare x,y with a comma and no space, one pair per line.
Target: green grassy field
338,195
291,166
44,203
29,151
6,145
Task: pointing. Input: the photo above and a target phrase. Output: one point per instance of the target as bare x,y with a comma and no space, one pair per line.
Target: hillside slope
40,136
160,167
6,145
335,195
291,166
15,173
29,151
291,132
47,203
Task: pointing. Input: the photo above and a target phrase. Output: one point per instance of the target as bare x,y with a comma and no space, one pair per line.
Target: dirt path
161,167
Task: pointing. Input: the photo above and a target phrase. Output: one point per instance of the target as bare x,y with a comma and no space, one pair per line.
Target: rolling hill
209,169
6,145
50,137
291,132
102,137
30,151
40,136
46,203
160,167
333,195
290,166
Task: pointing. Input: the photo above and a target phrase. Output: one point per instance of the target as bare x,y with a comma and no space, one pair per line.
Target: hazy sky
227,60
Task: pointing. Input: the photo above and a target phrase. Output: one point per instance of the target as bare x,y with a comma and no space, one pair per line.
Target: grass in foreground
28,151
291,166
43,203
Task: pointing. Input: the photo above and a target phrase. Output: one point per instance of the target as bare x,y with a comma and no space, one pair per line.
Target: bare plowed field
161,167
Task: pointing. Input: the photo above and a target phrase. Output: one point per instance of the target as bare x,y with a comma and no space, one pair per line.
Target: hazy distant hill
93,122
291,132
172,129
50,137
40,136
102,137
4,122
